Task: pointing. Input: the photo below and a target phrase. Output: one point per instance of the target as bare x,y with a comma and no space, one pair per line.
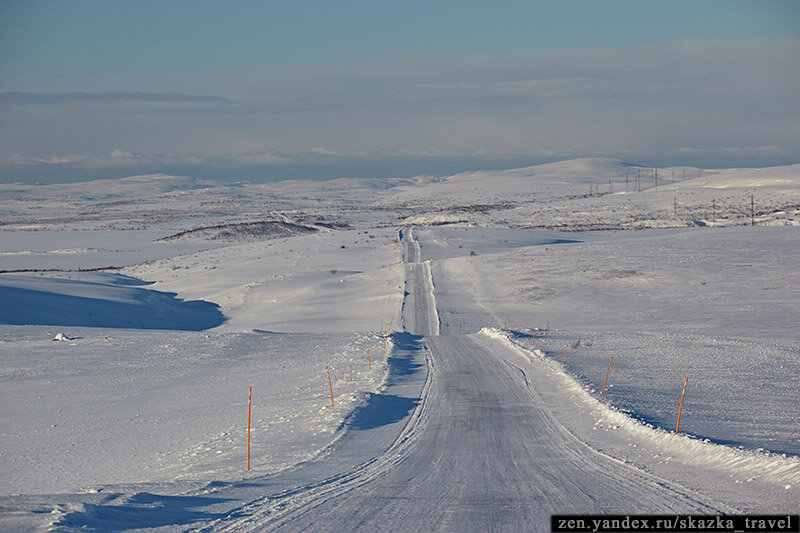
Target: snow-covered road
419,305
481,452
489,456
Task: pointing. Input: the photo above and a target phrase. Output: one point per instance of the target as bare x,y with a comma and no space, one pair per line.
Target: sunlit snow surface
118,406
151,401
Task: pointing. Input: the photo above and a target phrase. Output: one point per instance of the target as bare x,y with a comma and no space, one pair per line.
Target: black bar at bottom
677,523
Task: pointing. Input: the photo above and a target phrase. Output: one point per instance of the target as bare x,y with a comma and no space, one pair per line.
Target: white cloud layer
709,103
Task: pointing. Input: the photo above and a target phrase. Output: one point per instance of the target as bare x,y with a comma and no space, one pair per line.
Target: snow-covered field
126,406
147,392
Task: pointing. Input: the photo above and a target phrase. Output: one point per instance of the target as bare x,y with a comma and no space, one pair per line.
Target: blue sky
264,90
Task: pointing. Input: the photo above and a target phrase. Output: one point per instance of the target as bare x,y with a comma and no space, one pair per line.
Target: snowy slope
331,281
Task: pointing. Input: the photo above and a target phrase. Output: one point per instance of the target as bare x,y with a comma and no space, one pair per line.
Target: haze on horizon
272,90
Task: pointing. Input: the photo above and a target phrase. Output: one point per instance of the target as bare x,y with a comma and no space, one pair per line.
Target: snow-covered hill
587,194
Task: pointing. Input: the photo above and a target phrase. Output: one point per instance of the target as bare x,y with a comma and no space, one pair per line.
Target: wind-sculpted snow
99,300
322,281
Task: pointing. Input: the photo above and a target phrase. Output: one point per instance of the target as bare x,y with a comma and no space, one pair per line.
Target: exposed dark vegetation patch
244,231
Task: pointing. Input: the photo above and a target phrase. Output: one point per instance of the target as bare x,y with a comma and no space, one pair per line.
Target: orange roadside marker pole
564,359
249,402
607,371
329,384
680,408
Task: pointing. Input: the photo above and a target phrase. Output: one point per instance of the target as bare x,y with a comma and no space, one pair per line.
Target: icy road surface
489,456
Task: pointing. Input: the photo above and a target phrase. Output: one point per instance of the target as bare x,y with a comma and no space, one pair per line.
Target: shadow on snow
382,409
100,300
142,510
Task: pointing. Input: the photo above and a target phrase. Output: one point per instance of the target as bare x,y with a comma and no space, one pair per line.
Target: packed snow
137,416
